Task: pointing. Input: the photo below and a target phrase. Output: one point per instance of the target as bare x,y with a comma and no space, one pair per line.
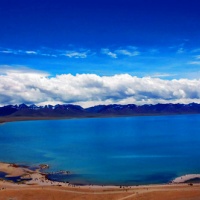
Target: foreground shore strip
35,185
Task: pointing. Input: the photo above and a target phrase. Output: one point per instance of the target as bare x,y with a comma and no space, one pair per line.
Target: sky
91,52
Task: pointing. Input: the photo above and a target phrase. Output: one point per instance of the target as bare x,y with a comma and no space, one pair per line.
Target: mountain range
27,112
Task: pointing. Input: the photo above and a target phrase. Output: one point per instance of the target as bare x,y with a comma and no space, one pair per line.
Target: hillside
28,112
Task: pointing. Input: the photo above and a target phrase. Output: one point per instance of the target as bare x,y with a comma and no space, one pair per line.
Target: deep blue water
120,151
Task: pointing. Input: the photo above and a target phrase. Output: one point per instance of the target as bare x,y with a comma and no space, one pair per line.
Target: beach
35,185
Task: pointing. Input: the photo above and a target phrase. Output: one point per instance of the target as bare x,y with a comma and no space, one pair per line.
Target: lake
117,151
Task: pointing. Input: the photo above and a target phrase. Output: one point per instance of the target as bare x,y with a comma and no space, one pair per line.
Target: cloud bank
90,89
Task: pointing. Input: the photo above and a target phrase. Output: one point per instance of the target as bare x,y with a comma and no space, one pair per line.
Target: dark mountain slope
68,110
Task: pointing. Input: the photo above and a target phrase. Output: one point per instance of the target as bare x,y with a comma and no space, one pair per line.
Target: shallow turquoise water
120,151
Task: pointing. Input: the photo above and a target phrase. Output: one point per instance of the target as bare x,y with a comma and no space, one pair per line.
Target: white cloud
31,52
181,50
197,57
160,75
18,86
109,53
18,52
194,63
126,52
154,51
129,51
6,51
48,55
196,50
6,69
49,52
74,54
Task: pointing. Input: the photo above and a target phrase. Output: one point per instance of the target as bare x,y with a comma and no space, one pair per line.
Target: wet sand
39,187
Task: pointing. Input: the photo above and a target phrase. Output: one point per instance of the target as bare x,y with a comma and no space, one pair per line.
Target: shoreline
26,175
6,119
41,188
186,178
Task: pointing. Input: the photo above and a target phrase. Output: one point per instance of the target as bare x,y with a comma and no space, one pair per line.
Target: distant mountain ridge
75,111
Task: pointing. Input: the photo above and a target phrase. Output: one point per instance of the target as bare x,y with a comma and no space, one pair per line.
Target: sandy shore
10,191
12,170
37,186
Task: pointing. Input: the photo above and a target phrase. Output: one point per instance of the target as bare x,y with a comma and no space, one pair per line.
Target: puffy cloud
90,89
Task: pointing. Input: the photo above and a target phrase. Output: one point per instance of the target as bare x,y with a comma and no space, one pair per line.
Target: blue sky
142,38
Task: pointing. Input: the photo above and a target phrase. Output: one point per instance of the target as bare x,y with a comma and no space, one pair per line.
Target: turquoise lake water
119,151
